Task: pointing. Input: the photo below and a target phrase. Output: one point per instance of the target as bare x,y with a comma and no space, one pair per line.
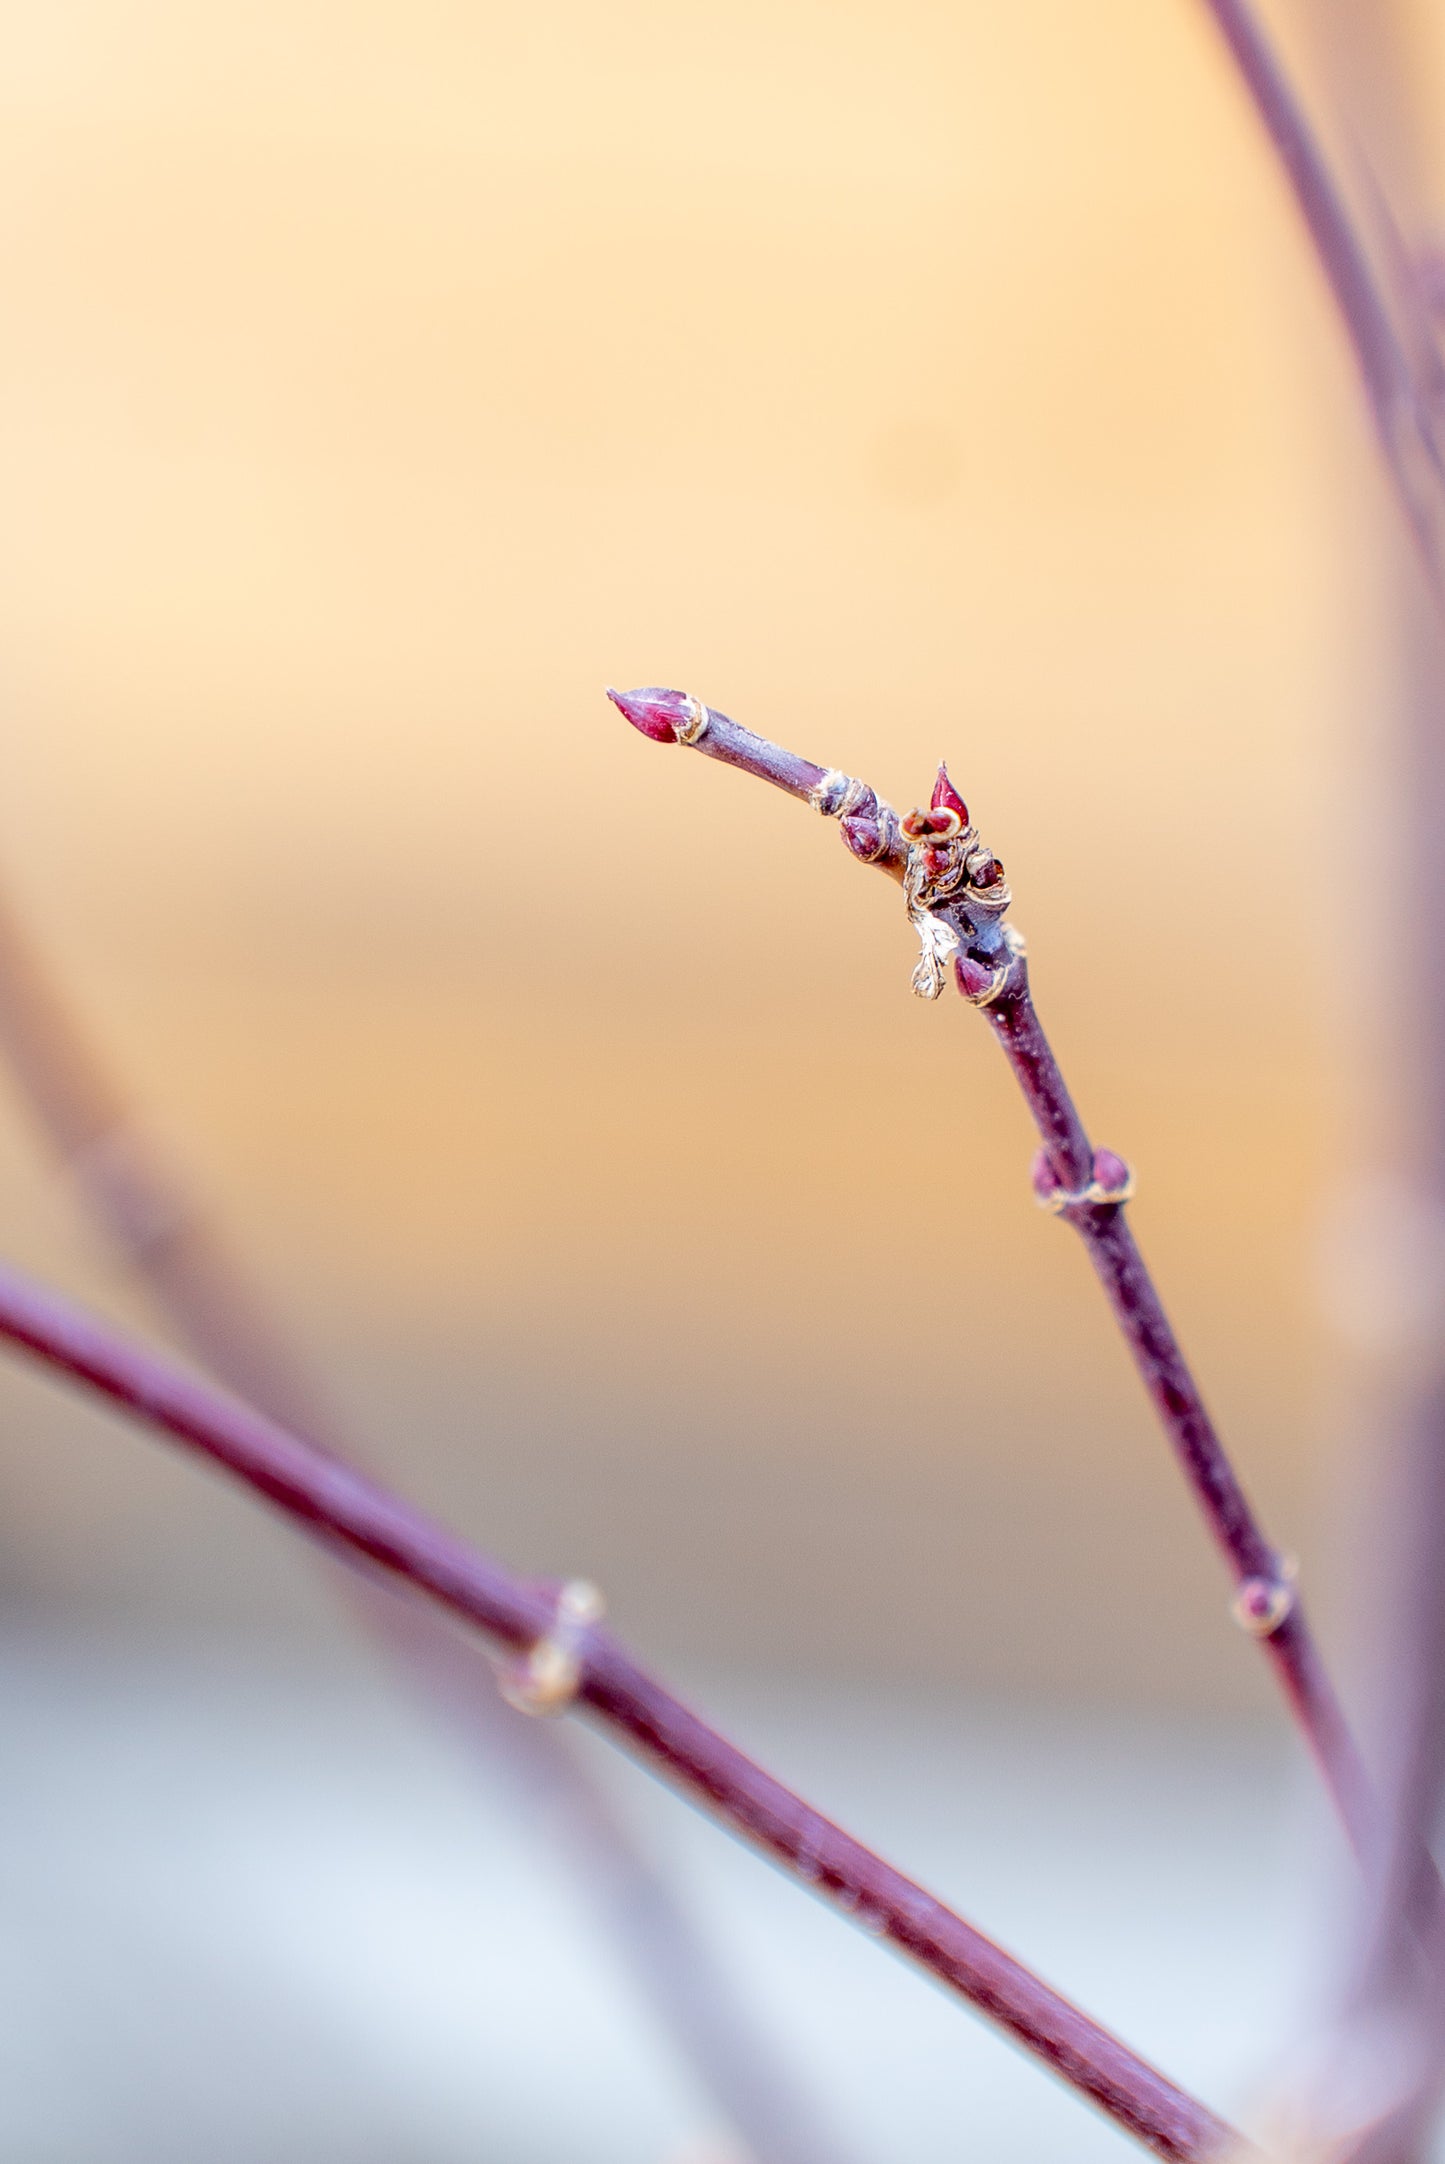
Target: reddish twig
958,898
567,1658
1404,421
161,1234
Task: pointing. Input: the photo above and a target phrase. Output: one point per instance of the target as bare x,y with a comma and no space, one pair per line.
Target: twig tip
656,712
946,798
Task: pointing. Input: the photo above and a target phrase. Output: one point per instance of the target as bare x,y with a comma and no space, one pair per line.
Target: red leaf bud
974,978
656,712
1112,1176
946,797
863,836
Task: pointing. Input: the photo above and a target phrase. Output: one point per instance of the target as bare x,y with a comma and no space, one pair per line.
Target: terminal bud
658,713
946,798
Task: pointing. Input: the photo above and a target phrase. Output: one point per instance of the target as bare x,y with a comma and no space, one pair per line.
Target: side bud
1262,1604
932,827
976,980
1111,1183
1113,1180
864,836
1049,1190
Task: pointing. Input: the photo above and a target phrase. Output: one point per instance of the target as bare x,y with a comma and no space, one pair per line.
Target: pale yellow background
378,381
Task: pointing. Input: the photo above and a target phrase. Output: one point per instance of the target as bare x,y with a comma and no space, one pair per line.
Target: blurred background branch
160,1233
1406,415
1382,2068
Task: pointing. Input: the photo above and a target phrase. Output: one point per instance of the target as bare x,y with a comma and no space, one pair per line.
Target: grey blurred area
253,1907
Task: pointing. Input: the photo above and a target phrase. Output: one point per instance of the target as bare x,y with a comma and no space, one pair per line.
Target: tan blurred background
378,382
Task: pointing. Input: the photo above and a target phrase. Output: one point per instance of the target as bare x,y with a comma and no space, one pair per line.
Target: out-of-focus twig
1385,2066
564,1657
1407,428
958,899
1376,2088
159,1230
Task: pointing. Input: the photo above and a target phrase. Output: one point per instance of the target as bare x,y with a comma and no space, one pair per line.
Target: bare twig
160,1232
957,898
1404,422
566,1658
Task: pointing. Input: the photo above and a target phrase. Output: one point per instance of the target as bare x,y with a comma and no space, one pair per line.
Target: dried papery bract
958,902
340,1506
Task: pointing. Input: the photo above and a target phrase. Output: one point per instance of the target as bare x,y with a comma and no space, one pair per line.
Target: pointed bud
946,798
863,836
974,978
657,713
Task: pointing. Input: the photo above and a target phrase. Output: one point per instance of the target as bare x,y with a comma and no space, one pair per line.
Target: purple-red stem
1165,1373
872,831
158,1231
341,1507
